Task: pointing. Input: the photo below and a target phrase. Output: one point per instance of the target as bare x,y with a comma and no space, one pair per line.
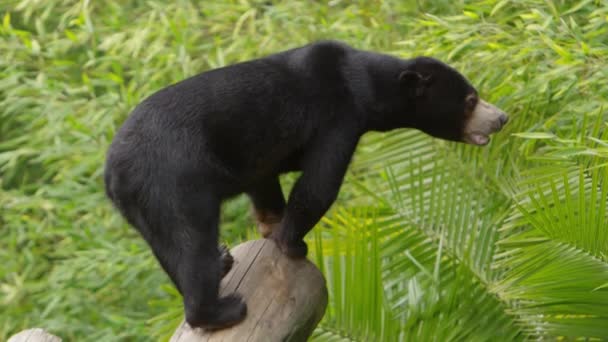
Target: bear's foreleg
316,189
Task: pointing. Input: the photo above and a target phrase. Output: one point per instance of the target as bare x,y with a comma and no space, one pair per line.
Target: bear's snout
484,120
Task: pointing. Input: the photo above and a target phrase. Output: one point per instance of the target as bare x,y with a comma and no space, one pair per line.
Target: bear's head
446,105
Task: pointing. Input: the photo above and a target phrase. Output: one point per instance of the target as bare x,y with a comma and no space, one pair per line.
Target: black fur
233,130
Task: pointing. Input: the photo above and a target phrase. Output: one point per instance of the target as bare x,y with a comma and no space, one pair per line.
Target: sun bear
235,129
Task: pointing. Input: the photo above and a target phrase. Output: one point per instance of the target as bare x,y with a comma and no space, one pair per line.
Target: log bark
285,298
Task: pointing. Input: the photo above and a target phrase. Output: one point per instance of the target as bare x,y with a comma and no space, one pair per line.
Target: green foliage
429,240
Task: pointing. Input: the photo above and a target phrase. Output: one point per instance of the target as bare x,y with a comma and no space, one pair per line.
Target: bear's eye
471,101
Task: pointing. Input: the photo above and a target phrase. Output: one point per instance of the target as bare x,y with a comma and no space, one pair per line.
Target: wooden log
285,298
34,335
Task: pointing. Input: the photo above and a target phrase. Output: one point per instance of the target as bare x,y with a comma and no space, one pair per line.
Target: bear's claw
226,259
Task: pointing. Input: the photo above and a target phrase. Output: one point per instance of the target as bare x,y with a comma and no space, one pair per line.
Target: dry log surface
285,298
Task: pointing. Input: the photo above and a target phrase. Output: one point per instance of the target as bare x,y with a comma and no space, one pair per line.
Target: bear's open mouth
477,138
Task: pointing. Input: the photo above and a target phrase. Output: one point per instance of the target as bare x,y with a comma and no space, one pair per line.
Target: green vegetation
429,240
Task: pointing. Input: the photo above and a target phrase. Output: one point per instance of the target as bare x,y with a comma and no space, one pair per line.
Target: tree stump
285,298
34,335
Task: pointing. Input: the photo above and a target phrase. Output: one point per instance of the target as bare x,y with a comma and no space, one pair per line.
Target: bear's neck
377,90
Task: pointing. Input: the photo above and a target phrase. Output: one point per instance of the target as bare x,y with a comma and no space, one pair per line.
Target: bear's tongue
479,139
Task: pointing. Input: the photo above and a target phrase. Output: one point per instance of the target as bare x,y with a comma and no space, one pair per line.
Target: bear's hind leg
188,250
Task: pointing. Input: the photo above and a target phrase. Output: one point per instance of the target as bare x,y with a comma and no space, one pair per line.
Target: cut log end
34,335
285,298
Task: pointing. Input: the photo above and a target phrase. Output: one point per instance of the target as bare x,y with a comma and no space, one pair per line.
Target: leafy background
429,241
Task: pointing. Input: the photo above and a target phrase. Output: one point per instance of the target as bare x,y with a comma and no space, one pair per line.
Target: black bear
235,129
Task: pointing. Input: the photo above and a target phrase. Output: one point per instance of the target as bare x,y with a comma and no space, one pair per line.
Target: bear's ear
414,82
410,77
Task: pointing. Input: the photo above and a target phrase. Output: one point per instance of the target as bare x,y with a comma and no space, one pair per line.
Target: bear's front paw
293,249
